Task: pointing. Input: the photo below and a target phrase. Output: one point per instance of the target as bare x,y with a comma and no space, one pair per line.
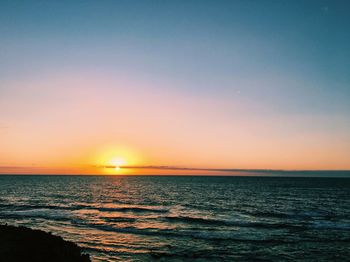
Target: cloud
245,172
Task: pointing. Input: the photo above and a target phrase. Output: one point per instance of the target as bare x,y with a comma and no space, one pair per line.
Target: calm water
187,218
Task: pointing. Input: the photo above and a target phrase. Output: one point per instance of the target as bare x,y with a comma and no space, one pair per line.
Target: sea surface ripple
168,218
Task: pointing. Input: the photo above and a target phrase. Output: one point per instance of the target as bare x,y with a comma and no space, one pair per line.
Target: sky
197,84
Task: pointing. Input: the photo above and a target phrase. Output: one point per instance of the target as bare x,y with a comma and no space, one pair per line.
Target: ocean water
155,218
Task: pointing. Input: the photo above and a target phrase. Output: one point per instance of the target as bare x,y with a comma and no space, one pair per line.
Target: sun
114,160
117,163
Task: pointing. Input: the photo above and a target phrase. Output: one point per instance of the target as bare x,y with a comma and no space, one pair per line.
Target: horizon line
166,167
180,168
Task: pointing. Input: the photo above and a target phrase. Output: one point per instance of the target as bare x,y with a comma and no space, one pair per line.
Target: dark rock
24,244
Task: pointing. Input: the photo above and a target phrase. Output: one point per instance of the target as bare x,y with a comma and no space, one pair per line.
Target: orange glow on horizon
116,157
167,127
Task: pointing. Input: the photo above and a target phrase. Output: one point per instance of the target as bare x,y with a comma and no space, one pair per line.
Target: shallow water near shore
169,218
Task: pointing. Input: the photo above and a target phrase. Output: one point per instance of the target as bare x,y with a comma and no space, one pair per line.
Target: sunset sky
199,84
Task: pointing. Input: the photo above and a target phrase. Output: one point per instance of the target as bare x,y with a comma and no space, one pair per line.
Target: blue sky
211,46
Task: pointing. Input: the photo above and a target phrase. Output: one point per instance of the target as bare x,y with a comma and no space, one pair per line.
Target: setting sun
117,162
111,159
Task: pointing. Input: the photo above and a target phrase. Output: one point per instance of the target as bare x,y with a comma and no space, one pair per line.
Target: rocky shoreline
25,244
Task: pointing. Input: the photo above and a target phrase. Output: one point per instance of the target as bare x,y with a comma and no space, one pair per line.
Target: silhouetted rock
26,245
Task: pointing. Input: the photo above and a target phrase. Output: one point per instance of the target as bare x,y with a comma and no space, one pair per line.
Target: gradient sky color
211,84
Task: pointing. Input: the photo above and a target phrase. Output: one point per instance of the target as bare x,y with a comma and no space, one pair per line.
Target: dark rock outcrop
26,245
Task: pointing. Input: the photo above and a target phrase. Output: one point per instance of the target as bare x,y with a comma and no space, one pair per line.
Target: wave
270,214
330,225
136,209
206,235
38,213
232,223
122,208
293,215
120,219
20,207
196,220
316,224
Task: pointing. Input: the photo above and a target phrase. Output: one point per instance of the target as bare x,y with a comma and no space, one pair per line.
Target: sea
186,218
